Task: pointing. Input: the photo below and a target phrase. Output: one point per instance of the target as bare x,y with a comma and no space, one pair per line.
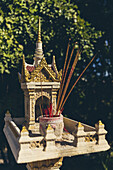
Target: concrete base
52,164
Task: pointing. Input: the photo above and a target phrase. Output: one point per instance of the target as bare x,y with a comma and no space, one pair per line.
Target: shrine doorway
41,104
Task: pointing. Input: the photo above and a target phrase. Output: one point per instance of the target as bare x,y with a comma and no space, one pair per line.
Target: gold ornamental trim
90,139
49,127
54,64
39,31
38,76
24,129
100,122
8,113
79,124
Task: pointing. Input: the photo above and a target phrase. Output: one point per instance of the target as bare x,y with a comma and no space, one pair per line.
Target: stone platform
77,139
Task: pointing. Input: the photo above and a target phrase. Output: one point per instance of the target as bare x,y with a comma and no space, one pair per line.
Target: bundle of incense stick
69,78
65,70
61,95
47,112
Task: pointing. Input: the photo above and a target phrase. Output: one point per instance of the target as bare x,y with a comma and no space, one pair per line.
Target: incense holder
56,123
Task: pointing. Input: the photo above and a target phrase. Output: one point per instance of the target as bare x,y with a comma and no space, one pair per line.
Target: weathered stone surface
27,147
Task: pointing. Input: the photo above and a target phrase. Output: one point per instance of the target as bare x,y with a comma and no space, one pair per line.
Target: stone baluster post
49,138
79,136
7,118
24,138
101,133
49,144
24,142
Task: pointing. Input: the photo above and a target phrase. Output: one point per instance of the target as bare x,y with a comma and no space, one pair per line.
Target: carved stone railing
19,120
14,129
9,123
79,139
83,138
70,125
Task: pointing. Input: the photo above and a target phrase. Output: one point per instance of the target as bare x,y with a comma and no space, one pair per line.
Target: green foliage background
92,98
19,26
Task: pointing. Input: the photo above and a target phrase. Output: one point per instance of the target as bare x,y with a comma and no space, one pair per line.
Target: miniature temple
39,140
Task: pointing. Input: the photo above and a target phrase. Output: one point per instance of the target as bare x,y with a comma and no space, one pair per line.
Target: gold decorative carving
43,93
59,75
24,129
35,144
79,124
59,163
32,108
38,76
90,138
27,76
31,96
31,127
54,65
49,127
30,90
100,122
8,113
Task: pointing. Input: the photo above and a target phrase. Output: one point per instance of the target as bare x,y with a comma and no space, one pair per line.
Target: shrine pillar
54,96
26,104
52,164
31,110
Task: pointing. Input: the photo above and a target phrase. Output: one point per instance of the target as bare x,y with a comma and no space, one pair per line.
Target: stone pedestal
52,164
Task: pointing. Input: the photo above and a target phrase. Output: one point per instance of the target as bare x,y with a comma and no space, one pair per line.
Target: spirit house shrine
40,83
44,136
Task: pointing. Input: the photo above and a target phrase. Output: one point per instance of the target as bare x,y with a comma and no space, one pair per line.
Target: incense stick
69,78
59,94
77,81
65,75
40,109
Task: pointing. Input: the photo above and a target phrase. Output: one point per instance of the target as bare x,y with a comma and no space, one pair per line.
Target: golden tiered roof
42,73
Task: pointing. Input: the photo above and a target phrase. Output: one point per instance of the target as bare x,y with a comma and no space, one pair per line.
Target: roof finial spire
39,31
39,51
